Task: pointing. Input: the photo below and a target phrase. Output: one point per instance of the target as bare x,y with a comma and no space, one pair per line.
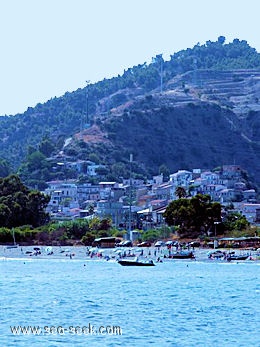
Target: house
213,190
79,165
63,195
250,211
111,209
92,169
231,171
145,200
157,180
105,189
210,177
249,195
145,218
88,192
163,191
133,182
227,195
181,178
157,215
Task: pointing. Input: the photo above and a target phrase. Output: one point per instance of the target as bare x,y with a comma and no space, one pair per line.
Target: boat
181,255
12,246
237,257
217,255
135,262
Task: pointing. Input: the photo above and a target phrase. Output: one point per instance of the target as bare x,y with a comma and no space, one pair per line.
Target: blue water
175,303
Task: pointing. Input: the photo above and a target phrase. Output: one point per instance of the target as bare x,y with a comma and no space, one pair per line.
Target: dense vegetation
179,138
28,140
60,233
195,216
19,205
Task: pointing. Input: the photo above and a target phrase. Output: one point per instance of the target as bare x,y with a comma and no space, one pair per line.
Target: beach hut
104,242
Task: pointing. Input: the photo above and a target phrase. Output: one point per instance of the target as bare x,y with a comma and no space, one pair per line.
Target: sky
50,47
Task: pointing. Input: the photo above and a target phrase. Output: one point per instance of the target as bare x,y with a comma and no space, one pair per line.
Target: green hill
199,109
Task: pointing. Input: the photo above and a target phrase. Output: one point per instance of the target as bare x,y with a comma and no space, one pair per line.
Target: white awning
145,211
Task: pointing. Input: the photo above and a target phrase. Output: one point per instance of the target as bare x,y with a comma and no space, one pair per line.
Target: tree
37,202
221,40
35,171
91,209
5,214
97,224
180,192
194,216
46,147
36,161
19,205
236,222
4,168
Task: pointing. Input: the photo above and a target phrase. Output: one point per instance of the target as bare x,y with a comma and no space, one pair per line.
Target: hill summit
199,109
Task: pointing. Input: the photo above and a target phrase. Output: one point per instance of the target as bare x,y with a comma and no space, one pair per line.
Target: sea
78,301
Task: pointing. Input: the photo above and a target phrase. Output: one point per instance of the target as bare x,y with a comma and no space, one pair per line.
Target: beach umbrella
48,249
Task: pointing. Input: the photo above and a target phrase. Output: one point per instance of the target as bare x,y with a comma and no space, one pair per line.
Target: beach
93,253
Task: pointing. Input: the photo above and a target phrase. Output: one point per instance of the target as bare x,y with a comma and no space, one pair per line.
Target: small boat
12,246
182,255
135,262
237,257
216,255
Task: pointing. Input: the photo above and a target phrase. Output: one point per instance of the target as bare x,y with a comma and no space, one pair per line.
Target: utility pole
130,196
215,242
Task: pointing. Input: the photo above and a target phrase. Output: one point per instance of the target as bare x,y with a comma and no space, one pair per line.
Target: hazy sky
49,47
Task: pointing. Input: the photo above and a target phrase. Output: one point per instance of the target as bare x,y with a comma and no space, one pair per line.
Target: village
135,204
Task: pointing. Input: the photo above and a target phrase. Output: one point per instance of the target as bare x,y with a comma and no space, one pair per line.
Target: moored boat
237,257
135,262
216,255
182,255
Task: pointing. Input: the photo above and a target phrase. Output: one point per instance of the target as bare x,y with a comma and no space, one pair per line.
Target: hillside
199,109
187,126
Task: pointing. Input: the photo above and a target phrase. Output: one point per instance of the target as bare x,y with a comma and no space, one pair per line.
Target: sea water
175,303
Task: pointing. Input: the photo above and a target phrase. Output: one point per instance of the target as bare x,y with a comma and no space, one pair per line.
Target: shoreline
87,253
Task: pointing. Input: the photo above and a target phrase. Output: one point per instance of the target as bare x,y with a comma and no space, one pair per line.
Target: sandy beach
87,253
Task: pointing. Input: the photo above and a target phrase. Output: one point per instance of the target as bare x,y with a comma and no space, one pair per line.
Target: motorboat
135,262
233,256
12,246
216,255
181,255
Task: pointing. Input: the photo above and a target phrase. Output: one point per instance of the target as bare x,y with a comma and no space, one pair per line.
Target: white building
63,195
250,211
182,178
